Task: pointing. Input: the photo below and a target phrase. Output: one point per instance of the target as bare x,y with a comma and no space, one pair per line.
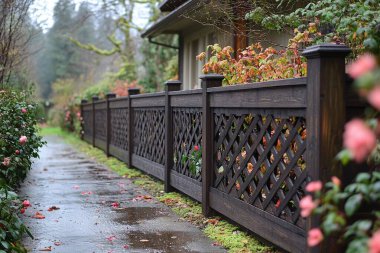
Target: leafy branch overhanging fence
261,143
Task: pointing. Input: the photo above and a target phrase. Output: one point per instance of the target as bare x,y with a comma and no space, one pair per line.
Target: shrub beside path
80,206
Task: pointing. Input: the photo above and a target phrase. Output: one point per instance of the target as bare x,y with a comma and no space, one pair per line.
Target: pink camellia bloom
336,181
6,161
374,243
26,203
23,140
314,186
374,97
359,139
361,66
315,236
23,110
307,206
196,147
17,152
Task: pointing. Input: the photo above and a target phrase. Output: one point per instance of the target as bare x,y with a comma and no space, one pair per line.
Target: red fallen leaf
86,193
46,249
126,247
26,203
142,197
38,215
76,187
212,221
57,243
111,238
115,204
53,208
278,203
22,210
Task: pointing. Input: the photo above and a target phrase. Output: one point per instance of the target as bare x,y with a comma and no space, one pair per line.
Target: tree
13,36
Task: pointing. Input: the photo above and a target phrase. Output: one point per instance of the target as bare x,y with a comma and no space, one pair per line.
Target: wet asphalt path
86,221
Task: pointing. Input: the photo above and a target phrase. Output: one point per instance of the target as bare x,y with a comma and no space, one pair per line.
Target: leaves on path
53,208
142,198
46,249
38,215
86,193
115,205
111,238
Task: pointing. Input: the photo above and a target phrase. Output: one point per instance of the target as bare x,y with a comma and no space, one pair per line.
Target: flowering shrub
19,143
352,214
195,161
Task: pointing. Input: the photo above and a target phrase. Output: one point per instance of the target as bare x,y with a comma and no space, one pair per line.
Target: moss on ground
220,231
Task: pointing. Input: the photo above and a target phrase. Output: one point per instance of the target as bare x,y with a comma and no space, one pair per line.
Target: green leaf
353,204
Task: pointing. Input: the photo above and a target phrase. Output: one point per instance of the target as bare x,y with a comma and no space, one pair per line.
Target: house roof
174,22
170,5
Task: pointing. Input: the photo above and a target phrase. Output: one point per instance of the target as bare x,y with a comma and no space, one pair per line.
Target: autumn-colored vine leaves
257,64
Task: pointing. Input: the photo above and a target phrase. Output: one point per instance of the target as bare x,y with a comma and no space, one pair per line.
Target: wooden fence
261,143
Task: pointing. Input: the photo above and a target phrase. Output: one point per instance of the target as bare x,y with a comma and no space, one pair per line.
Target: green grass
220,231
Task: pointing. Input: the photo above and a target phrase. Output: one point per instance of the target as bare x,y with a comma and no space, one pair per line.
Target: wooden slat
100,144
119,153
152,168
266,97
187,185
151,101
100,105
269,227
119,103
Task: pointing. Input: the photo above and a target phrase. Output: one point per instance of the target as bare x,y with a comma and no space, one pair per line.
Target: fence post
325,117
131,91
108,126
169,86
83,101
208,81
94,98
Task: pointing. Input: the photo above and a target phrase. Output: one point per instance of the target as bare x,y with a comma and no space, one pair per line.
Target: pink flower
336,181
307,206
23,110
17,152
359,139
374,97
314,186
361,66
23,140
22,210
315,236
196,147
374,243
6,161
26,203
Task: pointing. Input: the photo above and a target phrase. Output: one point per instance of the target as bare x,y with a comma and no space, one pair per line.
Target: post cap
110,95
173,85
133,91
95,98
83,101
326,50
213,77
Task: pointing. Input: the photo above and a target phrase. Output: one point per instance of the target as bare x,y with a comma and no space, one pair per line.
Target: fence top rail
99,101
118,99
148,95
302,81
185,92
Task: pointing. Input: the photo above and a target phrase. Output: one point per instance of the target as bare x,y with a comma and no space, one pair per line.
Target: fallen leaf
111,238
38,215
53,208
126,247
57,243
115,204
86,193
212,221
215,244
76,187
46,249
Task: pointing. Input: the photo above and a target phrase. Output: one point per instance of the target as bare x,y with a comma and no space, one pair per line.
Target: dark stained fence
256,154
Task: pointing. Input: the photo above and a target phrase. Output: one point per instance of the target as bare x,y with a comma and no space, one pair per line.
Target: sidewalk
83,192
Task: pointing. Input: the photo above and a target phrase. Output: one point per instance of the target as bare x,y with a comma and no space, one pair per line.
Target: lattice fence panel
87,123
149,133
119,128
101,124
187,126
260,160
